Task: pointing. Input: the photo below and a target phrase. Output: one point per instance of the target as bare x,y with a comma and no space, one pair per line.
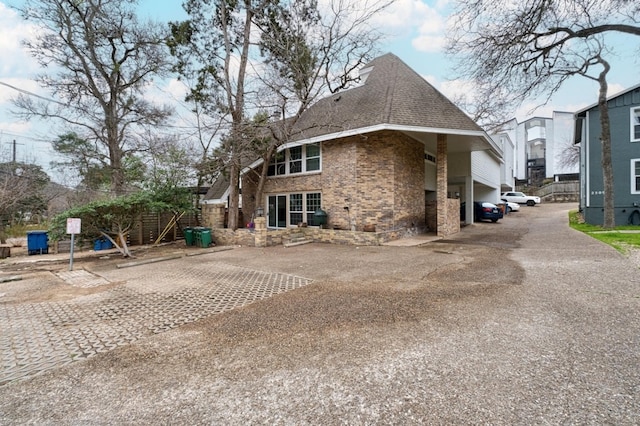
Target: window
295,160
291,209
313,157
295,209
635,124
314,200
635,176
278,165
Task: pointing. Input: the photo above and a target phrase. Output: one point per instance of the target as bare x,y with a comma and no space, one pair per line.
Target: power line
26,92
24,136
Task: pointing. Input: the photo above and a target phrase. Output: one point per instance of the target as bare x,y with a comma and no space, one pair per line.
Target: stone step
297,243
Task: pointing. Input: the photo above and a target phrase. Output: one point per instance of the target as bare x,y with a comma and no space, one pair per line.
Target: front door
277,214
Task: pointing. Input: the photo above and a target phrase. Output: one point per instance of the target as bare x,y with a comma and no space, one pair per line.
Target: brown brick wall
379,177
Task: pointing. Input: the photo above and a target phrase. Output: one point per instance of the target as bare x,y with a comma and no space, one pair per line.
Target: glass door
277,213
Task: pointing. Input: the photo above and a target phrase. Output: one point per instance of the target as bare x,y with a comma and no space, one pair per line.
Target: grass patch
617,239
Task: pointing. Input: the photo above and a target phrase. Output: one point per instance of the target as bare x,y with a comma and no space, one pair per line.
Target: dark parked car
484,210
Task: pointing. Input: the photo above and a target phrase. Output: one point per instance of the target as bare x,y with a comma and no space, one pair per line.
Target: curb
144,262
171,257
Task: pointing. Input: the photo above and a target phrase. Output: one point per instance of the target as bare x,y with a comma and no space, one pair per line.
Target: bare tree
310,53
514,51
570,155
22,192
270,57
101,59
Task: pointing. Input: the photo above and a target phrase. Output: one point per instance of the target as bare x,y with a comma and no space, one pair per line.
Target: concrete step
296,243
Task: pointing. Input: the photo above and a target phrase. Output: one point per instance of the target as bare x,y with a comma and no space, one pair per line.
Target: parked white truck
520,198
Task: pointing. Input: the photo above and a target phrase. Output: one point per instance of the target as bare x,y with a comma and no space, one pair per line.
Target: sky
416,34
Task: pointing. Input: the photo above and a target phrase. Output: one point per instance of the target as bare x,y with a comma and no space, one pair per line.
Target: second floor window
635,124
295,160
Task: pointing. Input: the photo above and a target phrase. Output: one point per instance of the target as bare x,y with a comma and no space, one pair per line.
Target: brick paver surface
153,298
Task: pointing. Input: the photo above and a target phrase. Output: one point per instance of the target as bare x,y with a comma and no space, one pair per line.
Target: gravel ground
521,322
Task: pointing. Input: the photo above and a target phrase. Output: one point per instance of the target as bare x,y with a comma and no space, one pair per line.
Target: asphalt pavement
525,321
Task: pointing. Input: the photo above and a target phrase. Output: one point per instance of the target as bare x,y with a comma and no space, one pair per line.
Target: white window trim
287,196
633,188
287,162
632,116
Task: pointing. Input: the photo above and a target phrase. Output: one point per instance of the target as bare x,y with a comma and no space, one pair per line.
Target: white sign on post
73,225
73,228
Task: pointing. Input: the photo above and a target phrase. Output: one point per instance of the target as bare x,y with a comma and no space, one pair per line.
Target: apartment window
635,124
635,176
295,160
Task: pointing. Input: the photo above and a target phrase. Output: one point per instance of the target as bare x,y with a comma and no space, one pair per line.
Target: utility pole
14,151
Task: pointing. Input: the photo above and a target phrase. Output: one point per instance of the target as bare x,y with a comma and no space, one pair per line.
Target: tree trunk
234,178
605,139
263,177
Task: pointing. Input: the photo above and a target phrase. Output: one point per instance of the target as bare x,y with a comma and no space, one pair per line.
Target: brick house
392,154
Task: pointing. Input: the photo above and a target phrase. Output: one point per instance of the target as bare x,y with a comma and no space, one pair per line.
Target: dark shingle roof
392,94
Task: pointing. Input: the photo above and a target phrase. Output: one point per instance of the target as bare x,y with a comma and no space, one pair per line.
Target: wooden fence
559,191
151,225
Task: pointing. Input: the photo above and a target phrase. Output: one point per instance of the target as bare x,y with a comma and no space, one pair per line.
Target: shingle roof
392,94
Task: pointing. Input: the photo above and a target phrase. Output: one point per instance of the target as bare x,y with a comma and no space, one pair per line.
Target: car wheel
494,220
508,209
531,203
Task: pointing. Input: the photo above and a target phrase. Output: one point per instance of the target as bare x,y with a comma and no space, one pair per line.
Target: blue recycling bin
37,242
102,244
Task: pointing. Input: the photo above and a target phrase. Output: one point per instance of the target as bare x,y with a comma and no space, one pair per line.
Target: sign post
73,228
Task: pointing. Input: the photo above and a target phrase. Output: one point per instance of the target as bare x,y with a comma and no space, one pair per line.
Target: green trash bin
197,234
205,237
188,236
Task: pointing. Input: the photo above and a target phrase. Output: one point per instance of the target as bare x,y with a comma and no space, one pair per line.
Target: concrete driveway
521,322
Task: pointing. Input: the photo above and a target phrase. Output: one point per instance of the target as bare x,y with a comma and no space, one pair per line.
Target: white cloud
428,43
16,61
415,19
408,17
457,89
176,88
7,93
16,67
405,14
614,89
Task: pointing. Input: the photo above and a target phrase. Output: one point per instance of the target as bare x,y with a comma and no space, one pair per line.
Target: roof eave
495,149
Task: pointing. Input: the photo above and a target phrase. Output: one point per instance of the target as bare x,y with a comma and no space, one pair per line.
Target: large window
291,209
295,160
635,124
635,176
